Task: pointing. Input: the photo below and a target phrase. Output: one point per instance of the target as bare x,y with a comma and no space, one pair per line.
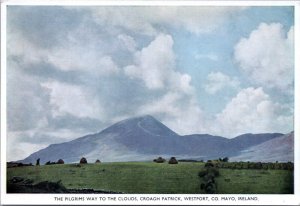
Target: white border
150,3
3,100
297,100
35,199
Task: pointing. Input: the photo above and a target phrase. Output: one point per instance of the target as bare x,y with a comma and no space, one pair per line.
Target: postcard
150,102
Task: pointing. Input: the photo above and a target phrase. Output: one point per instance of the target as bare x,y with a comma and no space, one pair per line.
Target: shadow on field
21,185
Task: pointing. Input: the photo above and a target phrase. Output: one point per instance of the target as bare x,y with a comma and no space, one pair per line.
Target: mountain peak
146,124
146,117
142,138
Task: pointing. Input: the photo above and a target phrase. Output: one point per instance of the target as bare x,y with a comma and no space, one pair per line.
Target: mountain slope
244,141
278,149
144,138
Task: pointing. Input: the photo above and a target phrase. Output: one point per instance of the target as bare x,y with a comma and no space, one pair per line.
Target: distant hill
278,149
144,138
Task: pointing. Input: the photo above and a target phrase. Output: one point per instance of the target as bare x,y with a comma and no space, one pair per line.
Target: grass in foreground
243,181
154,178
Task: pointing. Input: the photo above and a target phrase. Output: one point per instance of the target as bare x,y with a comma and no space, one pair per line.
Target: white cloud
176,106
73,54
18,45
154,63
144,20
181,82
18,150
218,81
179,112
82,58
21,144
128,42
164,105
252,111
74,100
27,101
267,56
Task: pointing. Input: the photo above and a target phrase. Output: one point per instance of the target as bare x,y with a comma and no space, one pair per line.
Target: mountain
244,141
279,149
145,138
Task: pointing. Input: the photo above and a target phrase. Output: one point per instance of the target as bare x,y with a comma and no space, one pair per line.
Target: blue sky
75,70
220,45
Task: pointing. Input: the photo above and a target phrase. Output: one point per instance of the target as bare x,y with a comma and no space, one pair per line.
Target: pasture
157,178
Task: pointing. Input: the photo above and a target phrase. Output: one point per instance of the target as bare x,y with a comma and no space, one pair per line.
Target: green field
151,178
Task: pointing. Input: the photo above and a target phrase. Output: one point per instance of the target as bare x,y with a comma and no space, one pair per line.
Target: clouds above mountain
218,81
73,100
75,70
251,110
154,64
267,55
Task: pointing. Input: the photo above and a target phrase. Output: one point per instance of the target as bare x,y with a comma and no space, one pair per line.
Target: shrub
226,159
202,173
208,175
50,163
258,165
51,187
265,166
214,171
290,166
210,188
202,186
209,164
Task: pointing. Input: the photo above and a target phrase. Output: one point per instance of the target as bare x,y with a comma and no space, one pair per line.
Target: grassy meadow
154,178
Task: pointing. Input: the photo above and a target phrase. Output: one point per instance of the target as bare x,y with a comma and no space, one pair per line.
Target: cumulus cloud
218,81
19,46
176,106
72,50
92,66
82,52
155,65
72,59
252,111
128,42
178,111
72,99
27,102
145,20
267,56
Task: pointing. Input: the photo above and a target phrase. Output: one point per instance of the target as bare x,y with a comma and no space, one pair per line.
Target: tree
37,162
225,159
